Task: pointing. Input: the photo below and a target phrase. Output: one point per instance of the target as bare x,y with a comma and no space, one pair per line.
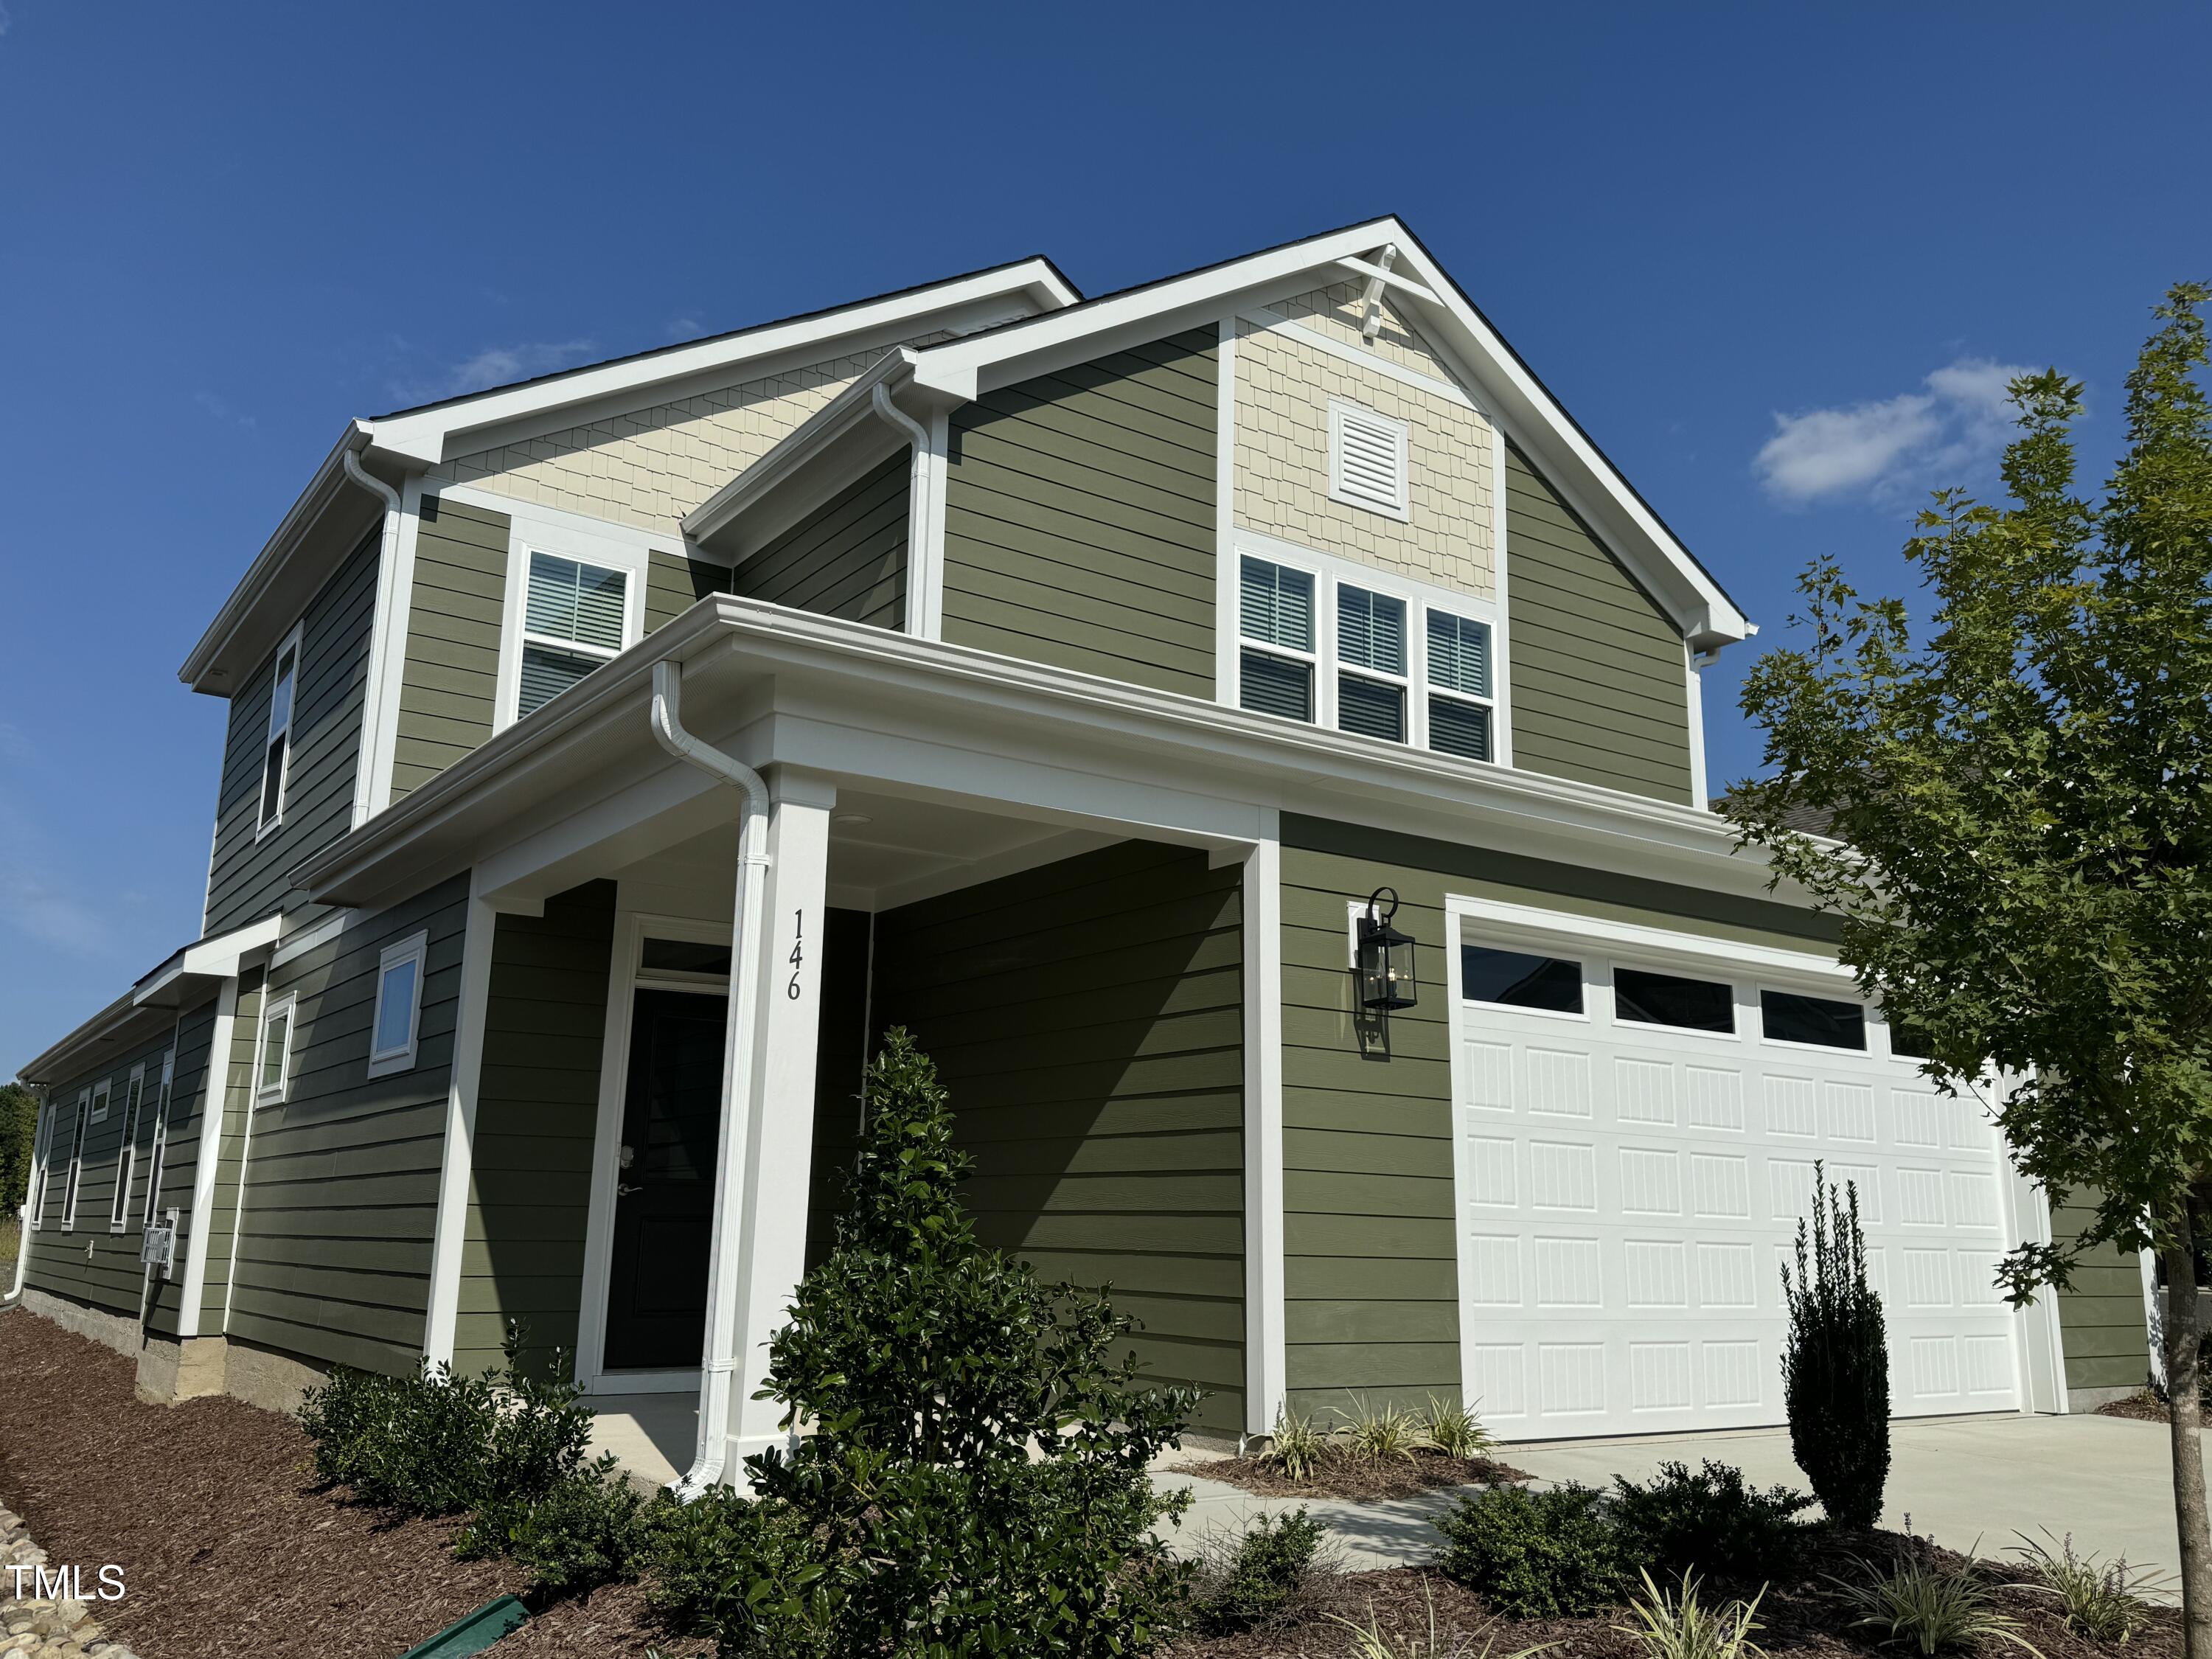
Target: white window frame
157,1154
386,1062
562,535
1415,618
1330,573
42,1155
80,1132
126,1155
1401,433
264,820
269,1094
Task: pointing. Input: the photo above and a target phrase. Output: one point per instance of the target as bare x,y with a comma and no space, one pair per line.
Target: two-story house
1080,683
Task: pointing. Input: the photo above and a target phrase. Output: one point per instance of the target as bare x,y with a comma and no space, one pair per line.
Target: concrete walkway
1970,1481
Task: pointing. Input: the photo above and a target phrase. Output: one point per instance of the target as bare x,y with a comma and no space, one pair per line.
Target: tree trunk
2182,1337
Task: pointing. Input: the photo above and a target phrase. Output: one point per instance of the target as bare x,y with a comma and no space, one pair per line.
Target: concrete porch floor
652,1436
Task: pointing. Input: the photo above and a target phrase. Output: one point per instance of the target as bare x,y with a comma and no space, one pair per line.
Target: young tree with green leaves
2021,860
19,1130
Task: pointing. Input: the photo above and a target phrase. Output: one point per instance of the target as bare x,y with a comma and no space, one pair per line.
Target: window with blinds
1371,635
574,619
1276,611
1367,459
1459,685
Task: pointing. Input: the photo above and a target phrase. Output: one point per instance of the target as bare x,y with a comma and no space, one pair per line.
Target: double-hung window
396,1027
119,1208
272,1066
1275,673
76,1154
1371,655
276,750
158,1156
1459,685
574,619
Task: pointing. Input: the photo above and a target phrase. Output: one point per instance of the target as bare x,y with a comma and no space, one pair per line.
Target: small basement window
397,1022
575,618
1275,610
1519,979
1694,1005
277,749
1786,1017
1367,459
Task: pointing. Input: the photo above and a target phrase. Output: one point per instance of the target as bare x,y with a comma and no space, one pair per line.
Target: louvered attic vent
1367,459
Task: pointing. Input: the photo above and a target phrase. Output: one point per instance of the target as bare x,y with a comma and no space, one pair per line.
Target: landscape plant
1713,1521
1676,1625
1298,1445
1381,1433
1256,1574
1835,1362
2014,787
18,1133
976,1478
1547,1554
1929,1605
2101,1600
1453,1429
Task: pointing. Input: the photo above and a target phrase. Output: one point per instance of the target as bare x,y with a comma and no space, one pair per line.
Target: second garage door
1638,1130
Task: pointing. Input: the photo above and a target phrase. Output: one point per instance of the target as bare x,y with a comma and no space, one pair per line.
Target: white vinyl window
76,1152
1334,644
396,1030
575,617
1367,462
157,1159
272,1065
126,1155
277,749
42,1155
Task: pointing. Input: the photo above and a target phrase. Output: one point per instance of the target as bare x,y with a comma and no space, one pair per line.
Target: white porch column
1265,1351
768,1232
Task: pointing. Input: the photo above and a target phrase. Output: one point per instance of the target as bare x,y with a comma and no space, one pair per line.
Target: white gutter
720,1354
385,629
922,546
38,1133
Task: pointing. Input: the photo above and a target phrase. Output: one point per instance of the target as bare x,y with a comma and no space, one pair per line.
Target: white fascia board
840,414
1117,731
432,435
208,958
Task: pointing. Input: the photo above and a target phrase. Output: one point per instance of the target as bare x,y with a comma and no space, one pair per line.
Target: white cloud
1884,450
503,365
221,411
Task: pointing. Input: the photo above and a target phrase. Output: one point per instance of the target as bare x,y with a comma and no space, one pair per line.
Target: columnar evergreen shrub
1835,1364
975,1481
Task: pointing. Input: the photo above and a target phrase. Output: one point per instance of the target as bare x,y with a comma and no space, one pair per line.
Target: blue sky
1775,259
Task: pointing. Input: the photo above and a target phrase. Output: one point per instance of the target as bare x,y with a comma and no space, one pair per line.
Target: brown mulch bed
2144,1407
227,1546
1342,1474
1805,1619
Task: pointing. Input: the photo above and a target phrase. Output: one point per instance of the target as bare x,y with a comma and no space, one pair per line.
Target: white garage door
1638,1127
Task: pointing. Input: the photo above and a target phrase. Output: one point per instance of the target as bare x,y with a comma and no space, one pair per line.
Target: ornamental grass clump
1381,1434
1835,1362
1454,1430
1298,1445
1676,1625
976,1479
2101,1600
1930,1606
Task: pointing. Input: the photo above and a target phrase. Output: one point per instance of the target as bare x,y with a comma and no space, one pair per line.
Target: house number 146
798,951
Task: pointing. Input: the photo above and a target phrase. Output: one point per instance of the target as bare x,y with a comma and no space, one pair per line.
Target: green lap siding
847,558
1087,1017
233,1089
337,1203
250,872
2101,1325
1080,517
449,678
674,585
188,1107
537,1114
1370,1269
1598,673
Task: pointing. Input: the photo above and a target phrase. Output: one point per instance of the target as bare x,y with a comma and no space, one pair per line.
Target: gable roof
1422,292
280,579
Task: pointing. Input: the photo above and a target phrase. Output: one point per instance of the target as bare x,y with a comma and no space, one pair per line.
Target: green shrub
976,1478
1710,1521
741,1571
1835,1362
1534,1554
1253,1576
416,1444
586,1530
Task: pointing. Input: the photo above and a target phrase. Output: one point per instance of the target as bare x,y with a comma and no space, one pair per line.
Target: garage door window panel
1646,997
1812,1022
1521,979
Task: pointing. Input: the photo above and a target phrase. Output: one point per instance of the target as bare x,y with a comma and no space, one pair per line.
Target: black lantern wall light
1386,956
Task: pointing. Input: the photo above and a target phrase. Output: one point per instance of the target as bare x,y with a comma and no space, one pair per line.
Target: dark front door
665,1203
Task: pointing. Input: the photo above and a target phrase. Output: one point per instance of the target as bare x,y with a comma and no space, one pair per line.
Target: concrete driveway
1970,1481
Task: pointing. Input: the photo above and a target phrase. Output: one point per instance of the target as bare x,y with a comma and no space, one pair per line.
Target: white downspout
38,1133
387,560
919,580
718,1358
